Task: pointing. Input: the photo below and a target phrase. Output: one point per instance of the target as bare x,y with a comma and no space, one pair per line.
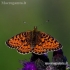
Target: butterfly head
35,28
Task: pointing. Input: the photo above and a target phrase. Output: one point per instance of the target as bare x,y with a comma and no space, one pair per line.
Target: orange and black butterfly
33,41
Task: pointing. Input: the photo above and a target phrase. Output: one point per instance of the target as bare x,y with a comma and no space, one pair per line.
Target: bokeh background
34,13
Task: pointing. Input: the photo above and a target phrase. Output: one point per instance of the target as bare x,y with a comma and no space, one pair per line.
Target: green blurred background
34,13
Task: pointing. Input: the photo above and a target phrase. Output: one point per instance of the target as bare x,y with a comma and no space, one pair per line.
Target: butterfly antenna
43,23
35,27
26,23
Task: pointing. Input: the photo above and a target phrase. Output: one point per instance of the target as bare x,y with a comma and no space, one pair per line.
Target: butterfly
33,41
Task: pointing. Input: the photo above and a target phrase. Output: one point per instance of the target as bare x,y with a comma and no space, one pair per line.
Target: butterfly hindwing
20,42
38,49
24,49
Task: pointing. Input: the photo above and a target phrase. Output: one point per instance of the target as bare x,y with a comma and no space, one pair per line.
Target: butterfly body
33,41
33,37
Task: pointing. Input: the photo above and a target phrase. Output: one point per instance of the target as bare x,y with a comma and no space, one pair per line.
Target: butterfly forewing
21,42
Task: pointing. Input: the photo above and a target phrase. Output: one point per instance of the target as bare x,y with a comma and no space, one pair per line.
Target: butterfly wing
38,50
21,42
46,43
